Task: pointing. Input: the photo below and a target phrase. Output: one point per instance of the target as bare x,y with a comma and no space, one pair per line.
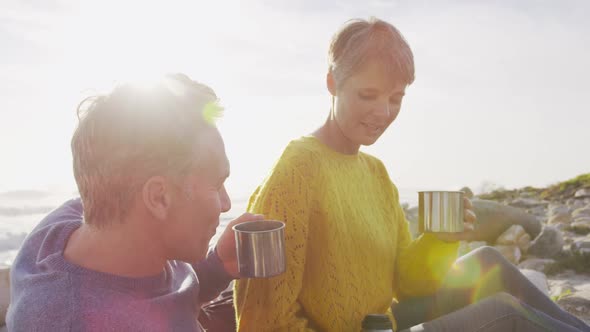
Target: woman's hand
226,245
469,219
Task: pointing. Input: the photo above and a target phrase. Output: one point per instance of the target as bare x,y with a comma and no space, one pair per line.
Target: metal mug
440,211
260,247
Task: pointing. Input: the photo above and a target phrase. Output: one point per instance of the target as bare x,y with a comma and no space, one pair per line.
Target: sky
500,97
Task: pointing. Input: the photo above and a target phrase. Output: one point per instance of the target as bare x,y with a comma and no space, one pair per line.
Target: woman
349,251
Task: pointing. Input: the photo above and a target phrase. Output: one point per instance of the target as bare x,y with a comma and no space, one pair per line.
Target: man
150,168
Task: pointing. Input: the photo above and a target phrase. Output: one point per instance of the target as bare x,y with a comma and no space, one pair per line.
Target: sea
22,210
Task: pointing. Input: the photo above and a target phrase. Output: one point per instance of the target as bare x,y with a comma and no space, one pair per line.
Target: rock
567,285
575,305
4,293
557,208
581,212
511,235
584,192
527,203
538,279
548,244
562,227
539,211
575,204
412,217
581,226
581,249
560,218
477,244
515,235
563,289
582,219
537,264
467,192
510,252
568,239
494,218
466,247
524,242
412,214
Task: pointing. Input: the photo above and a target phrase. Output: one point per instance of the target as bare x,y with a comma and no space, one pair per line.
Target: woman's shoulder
378,168
375,163
300,158
302,152
303,147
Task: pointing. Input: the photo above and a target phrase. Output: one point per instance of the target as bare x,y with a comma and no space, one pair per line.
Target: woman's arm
421,263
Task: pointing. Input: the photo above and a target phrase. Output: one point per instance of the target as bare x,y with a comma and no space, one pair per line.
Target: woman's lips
372,127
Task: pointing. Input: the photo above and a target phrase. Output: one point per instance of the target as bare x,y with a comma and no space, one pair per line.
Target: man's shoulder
45,305
58,221
70,211
41,291
45,243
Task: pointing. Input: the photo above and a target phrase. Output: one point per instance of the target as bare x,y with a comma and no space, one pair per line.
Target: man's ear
331,83
157,196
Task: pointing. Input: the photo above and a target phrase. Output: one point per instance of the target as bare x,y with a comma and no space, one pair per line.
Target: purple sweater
48,293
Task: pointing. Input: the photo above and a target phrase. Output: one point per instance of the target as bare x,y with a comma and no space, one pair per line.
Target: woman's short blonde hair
360,41
133,133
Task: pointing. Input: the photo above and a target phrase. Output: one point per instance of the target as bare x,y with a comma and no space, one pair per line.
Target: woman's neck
332,136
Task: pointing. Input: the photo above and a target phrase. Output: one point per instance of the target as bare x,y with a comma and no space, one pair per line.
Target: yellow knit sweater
349,251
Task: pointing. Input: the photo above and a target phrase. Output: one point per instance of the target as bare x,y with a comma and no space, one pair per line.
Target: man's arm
213,278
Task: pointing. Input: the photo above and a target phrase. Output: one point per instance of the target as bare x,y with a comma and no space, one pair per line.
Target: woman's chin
369,140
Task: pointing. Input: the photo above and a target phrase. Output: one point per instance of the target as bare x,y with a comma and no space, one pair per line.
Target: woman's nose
384,109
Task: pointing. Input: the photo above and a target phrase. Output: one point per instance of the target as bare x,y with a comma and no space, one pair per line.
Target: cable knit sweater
349,250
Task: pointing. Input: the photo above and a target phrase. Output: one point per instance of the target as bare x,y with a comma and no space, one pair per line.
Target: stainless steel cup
440,211
261,248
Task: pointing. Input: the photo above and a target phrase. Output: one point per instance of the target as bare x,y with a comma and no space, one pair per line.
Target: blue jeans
485,292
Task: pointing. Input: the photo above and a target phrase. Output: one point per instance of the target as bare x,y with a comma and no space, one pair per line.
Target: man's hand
469,219
226,245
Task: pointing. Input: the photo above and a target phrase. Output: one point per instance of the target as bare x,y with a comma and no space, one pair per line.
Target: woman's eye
366,97
395,101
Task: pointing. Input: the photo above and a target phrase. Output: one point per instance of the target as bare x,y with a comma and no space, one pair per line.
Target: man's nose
225,201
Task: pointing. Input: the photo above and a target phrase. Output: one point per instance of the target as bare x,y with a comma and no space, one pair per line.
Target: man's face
198,203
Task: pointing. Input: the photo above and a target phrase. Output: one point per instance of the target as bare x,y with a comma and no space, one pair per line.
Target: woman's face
366,103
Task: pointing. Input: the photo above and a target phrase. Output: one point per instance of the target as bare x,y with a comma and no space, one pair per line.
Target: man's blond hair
133,133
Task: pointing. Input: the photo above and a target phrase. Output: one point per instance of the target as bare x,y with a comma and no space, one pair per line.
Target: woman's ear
331,83
157,197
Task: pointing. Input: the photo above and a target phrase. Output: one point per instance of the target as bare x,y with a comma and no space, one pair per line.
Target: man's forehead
212,154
